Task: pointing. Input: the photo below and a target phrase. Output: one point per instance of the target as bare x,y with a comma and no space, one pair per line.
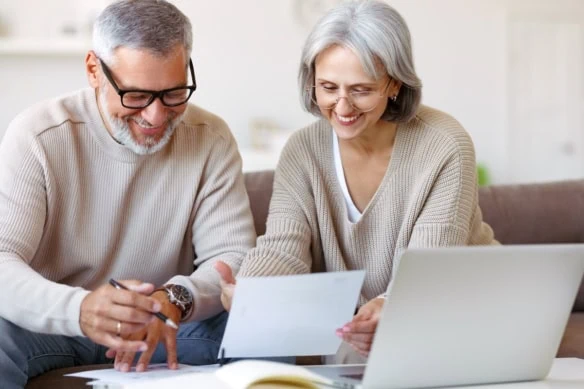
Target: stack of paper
156,374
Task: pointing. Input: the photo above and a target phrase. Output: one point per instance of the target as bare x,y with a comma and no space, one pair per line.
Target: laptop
471,315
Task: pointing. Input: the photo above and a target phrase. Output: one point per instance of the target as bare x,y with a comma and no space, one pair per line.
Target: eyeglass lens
360,101
172,97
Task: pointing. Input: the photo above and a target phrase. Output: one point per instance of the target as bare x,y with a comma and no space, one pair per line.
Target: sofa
519,214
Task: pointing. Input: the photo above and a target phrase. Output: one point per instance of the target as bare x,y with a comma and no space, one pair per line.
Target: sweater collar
98,129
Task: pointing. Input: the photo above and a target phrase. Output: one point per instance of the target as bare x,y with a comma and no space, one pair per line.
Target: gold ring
119,327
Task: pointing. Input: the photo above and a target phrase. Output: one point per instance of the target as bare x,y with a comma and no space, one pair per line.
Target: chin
347,133
142,144
149,145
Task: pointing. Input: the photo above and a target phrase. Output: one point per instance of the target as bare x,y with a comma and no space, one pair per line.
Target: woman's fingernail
156,307
144,347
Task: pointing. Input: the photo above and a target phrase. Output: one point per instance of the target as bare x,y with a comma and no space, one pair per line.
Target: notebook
471,315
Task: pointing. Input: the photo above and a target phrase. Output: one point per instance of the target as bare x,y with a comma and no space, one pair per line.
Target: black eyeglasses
137,98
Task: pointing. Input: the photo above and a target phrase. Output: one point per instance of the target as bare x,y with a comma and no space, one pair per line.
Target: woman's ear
394,87
92,69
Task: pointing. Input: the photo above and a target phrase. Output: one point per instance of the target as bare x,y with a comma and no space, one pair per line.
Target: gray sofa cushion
537,213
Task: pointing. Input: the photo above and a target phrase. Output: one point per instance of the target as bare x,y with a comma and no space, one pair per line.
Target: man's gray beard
123,135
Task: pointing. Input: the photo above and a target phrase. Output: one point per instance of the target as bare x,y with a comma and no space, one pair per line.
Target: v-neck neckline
394,162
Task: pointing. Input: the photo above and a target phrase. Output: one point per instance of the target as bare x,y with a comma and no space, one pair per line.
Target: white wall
460,48
246,56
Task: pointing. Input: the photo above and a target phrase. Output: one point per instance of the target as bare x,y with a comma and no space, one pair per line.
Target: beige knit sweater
427,198
77,208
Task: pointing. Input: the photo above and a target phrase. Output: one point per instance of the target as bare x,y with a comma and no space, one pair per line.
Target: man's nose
156,113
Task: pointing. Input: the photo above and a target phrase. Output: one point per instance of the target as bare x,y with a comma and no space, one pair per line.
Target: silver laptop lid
473,315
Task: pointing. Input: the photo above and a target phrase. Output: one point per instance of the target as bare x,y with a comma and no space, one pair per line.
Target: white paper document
290,315
155,372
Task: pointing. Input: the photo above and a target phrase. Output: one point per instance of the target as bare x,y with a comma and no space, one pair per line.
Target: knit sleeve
222,229
26,298
285,247
451,215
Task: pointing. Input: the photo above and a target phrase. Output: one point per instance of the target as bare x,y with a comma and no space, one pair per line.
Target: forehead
342,62
142,69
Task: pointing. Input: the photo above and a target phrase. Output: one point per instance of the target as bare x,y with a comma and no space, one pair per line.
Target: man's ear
92,69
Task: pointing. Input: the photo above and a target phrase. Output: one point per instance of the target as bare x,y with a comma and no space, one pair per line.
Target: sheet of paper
154,372
190,381
565,369
290,315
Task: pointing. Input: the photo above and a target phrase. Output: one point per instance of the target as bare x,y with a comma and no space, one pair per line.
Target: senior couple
128,180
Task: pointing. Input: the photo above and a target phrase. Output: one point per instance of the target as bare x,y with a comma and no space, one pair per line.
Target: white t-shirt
352,210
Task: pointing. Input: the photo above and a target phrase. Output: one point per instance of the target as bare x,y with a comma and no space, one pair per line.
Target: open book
242,374
251,373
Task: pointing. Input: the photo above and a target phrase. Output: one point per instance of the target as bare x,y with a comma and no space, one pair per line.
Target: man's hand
359,332
107,314
155,332
227,284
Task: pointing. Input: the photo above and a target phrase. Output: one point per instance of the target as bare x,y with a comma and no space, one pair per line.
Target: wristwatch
181,297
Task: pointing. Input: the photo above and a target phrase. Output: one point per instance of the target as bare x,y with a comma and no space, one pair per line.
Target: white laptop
471,315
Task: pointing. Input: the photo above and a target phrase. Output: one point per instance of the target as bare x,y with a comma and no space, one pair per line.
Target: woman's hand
227,284
359,332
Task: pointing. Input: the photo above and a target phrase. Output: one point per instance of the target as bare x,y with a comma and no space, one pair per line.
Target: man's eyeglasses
136,98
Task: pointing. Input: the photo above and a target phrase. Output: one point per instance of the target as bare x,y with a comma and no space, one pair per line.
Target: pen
159,315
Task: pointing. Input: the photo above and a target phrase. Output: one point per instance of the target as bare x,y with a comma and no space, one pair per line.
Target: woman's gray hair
376,33
153,25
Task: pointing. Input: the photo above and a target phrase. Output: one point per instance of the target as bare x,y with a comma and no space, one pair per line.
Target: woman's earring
393,98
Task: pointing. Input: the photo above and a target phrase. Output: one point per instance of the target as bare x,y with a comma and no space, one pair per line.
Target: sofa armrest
56,378
572,345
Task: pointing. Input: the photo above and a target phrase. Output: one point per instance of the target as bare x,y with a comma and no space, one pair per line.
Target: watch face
181,297
181,294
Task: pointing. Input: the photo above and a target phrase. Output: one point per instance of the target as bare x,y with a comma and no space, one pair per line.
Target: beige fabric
427,198
77,208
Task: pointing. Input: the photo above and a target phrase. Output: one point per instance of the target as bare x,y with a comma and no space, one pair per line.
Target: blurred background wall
509,70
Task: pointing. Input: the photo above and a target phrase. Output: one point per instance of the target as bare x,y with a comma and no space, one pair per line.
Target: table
566,373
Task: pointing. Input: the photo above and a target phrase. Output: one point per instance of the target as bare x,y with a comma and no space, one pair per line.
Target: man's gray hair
153,25
377,34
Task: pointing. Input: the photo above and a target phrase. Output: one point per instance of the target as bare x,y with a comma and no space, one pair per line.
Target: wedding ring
119,327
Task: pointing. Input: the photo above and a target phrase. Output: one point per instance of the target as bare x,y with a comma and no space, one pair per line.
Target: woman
377,174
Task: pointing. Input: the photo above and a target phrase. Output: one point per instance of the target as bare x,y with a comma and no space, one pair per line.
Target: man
124,180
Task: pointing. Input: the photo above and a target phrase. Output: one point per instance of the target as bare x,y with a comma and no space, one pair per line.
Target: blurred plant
483,176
